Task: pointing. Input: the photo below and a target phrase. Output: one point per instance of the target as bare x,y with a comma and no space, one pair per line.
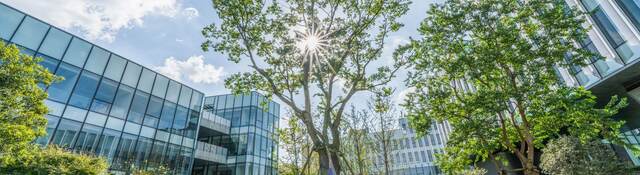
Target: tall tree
22,107
385,115
488,68
297,146
300,51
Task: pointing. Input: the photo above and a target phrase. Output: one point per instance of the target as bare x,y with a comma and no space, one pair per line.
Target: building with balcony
249,142
131,115
615,34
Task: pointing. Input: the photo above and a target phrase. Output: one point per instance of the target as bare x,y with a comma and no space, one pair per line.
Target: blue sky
165,35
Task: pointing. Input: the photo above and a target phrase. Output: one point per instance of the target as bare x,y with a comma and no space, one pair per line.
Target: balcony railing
215,122
209,152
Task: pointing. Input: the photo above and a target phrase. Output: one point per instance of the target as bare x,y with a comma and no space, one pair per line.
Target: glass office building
106,104
251,143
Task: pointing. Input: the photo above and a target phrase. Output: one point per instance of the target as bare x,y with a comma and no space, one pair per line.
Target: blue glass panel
185,96
155,106
115,67
632,9
30,33
167,116
9,20
146,80
173,92
48,62
138,107
60,91
150,121
125,152
180,122
131,74
160,86
122,102
66,133
88,138
55,43
77,52
104,96
143,149
108,143
97,60
83,94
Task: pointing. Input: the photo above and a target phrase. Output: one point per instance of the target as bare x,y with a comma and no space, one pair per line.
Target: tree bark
328,160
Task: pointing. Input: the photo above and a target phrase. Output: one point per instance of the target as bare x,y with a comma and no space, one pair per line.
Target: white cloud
96,19
190,13
193,68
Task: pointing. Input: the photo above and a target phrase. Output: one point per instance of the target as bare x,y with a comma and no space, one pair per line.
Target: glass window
9,20
131,74
83,93
138,107
196,100
161,135
96,119
173,92
150,121
97,60
155,106
143,149
74,113
55,108
77,52
180,122
132,128
30,33
104,96
146,80
122,102
167,115
125,152
66,132
156,153
160,86
88,138
115,123
115,67
185,96
108,143
60,91
55,43
632,9
147,132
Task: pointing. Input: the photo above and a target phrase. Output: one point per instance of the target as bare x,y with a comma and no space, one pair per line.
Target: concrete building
110,106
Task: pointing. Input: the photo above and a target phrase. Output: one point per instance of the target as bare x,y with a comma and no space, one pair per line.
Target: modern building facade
615,34
134,117
251,143
411,154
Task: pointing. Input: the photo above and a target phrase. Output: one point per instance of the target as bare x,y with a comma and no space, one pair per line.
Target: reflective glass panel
30,33
60,91
55,43
9,20
83,93
160,86
77,52
131,74
122,102
115,67
146,80
88,138
97,60
66,133
138,107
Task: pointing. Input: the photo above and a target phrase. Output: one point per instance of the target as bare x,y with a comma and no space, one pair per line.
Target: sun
312,45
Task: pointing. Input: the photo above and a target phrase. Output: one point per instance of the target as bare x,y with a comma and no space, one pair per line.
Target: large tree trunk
326,159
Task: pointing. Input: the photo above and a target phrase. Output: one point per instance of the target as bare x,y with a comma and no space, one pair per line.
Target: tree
569,155
301,51
22,120
357,146
297,146
54,160
385,114
487,67
22,107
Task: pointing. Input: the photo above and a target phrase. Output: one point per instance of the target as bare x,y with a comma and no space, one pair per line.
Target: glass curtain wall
106,104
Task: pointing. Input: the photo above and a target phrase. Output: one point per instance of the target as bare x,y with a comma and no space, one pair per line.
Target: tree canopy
487,67
313,55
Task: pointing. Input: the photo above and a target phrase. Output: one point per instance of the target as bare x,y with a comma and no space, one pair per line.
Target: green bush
51,160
